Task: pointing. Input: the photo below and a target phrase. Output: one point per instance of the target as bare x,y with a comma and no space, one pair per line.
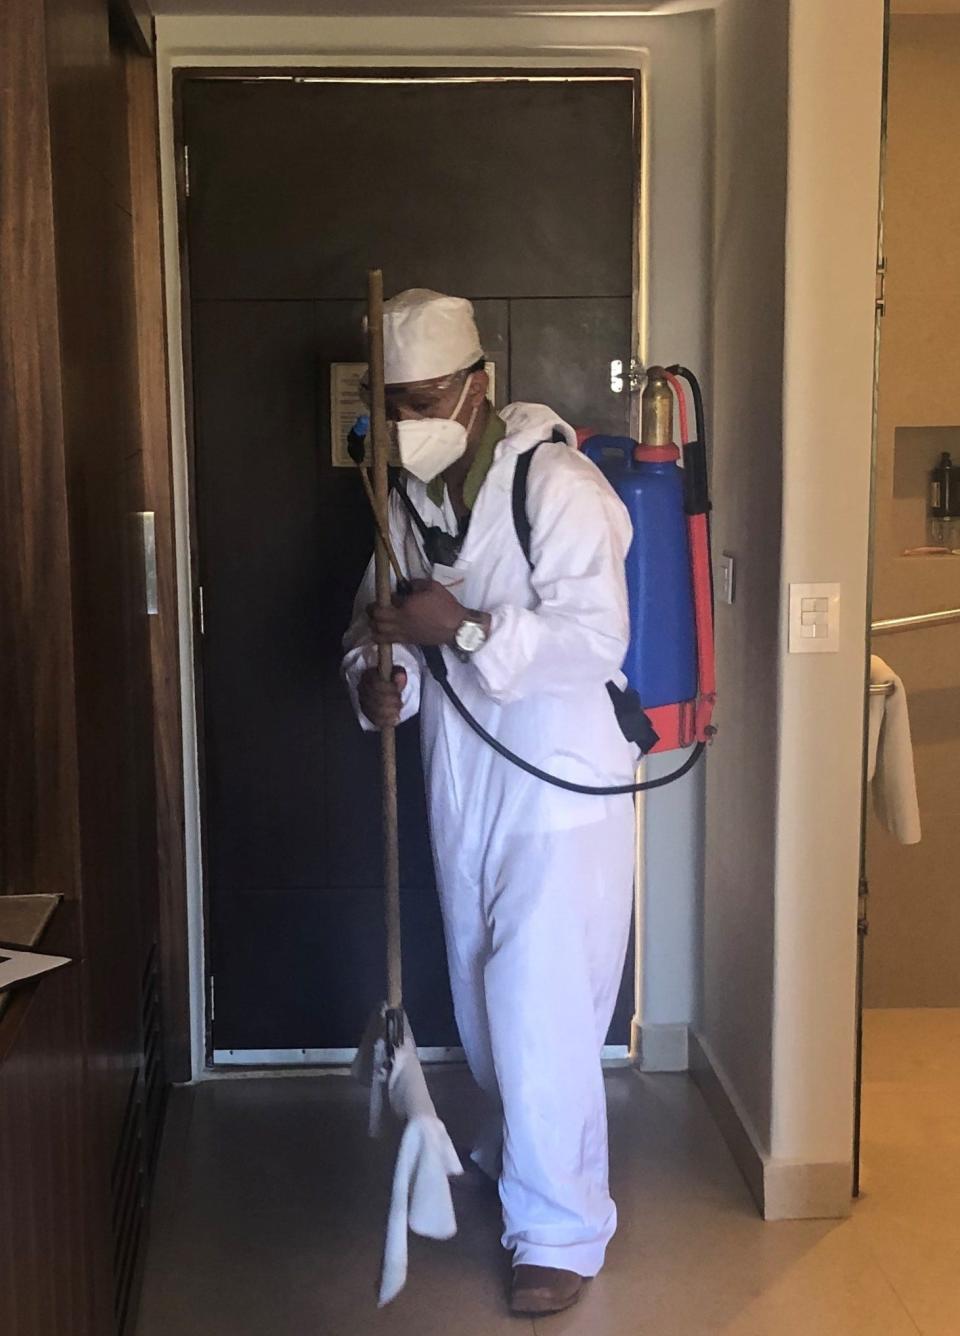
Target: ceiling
435,8
412,8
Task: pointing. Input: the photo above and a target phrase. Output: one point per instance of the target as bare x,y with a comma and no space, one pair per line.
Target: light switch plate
726,583
814,618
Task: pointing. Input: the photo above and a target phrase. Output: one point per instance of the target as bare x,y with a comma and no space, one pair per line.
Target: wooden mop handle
388,741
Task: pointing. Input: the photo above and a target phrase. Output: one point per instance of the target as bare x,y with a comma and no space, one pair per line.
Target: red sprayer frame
700,726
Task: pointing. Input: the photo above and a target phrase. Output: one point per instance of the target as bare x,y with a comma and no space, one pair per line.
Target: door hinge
863,924
881,287
629,376
186,170
213,997
200,615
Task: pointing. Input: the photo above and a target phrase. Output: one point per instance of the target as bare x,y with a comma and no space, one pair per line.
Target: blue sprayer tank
661,662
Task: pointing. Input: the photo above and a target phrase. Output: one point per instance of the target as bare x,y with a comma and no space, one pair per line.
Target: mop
387,1058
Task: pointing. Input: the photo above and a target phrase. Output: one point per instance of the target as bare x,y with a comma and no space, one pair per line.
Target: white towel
421,1199
890,769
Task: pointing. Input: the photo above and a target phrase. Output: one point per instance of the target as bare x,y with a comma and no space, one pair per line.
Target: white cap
426,335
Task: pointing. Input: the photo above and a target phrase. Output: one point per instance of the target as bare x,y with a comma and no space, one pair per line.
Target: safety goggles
420,399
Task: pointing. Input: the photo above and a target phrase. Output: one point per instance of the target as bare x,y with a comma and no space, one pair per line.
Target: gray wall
735,1019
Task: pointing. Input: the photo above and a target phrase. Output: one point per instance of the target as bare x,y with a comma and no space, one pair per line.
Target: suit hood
527,424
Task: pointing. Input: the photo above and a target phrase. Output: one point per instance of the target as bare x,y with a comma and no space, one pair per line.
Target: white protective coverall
534,882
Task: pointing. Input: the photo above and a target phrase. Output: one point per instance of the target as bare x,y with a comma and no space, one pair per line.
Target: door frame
208,57
863,884
340,1057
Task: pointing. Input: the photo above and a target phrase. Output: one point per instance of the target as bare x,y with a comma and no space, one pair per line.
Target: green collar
493,434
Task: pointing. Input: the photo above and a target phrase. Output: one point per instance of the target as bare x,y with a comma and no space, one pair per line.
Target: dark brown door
518,193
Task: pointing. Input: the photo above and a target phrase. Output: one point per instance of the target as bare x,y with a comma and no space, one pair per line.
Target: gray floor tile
272,1221
271,1201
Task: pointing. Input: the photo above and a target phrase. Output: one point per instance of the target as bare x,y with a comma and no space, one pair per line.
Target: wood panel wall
158,490
39,826
92,803
44,1254
105,488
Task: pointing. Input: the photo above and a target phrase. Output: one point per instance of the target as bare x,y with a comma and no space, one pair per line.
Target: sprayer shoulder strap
418,520
521,520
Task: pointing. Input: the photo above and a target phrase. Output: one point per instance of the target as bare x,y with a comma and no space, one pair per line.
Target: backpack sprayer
670,664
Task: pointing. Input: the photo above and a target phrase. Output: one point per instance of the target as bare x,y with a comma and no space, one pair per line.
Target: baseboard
782,1189
734,1126
798,1191
661,1048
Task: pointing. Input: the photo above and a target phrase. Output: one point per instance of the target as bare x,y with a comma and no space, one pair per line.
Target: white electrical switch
727,581
814,618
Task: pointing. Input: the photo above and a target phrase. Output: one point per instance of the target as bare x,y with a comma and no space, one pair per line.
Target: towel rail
882,688
921,619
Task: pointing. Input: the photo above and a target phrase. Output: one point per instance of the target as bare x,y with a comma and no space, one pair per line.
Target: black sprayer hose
438,668
696,491
696,480
690,378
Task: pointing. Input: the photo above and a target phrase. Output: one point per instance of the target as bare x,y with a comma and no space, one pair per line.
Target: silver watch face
470,636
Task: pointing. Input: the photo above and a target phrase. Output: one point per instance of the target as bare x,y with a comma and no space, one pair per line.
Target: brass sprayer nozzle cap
656,416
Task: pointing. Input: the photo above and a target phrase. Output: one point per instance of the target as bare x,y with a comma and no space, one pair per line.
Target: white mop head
421,1198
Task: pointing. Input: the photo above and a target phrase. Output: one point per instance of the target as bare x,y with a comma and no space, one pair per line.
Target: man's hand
379,700
428,616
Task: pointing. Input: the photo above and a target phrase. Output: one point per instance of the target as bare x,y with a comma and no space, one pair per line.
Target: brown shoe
544,1289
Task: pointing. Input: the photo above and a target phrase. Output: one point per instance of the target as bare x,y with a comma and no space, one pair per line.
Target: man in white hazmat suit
534,882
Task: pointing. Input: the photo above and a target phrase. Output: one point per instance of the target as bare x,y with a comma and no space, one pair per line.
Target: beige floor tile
902,1045
835,1287
909,1212
923,1269
699,1270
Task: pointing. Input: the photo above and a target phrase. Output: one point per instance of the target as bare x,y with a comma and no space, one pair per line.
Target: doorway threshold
257,1059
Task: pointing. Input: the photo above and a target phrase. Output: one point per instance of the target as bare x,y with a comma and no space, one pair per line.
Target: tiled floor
271,1200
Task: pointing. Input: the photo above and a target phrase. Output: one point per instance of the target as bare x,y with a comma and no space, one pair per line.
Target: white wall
798,123
674,53
836,67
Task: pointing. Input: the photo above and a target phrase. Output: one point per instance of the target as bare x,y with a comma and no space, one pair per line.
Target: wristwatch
470,636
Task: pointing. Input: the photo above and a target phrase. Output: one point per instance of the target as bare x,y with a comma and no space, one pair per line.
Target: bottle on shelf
943,502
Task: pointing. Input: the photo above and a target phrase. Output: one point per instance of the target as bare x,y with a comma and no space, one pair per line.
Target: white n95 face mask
428,446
